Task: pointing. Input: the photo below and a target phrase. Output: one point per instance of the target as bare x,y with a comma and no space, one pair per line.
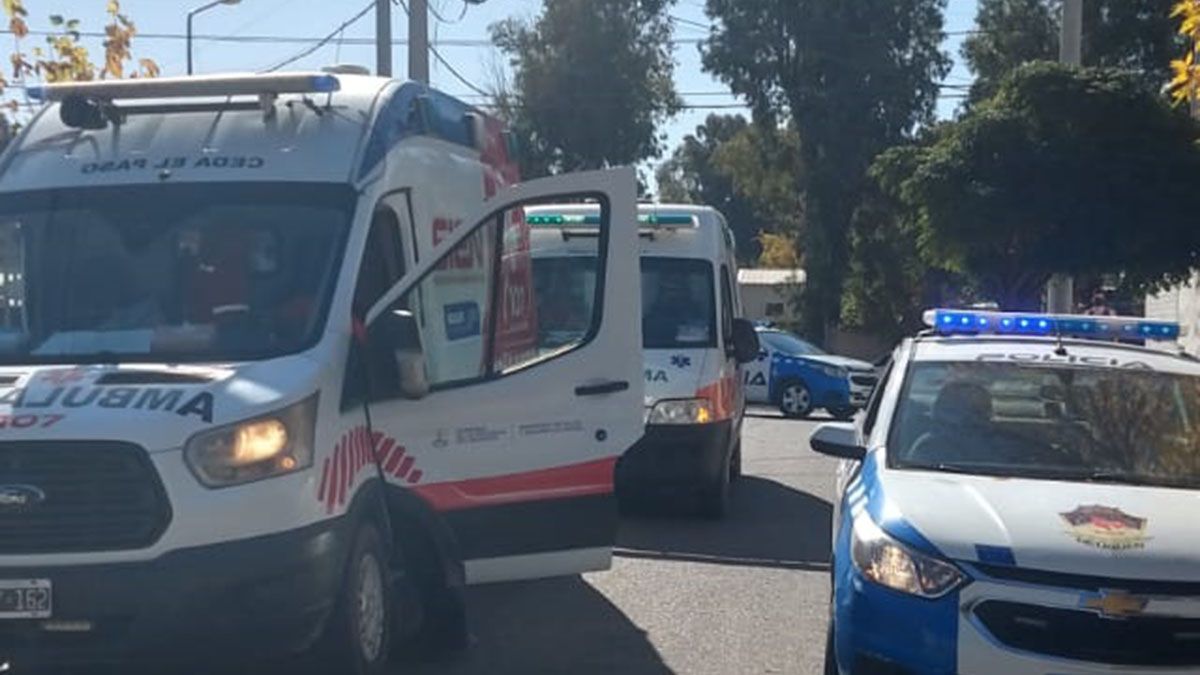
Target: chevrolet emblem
1116,604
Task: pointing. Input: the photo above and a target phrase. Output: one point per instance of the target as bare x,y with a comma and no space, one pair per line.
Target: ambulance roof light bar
204,86
656,220
974,322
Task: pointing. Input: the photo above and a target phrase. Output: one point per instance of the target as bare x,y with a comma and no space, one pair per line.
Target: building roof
760,277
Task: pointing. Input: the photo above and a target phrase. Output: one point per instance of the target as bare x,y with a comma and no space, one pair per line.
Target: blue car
800,379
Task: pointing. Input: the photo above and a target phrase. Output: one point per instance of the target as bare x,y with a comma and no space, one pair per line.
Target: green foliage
1009,34
1064,170
852,77
1133,35
778,251
592,83
690,176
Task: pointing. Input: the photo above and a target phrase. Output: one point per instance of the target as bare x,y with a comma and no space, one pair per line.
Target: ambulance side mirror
745,341
397,330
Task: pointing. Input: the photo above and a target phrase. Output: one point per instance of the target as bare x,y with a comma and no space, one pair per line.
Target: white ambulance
693,338
272,373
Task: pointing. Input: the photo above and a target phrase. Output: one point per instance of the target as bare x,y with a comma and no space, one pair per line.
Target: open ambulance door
505,389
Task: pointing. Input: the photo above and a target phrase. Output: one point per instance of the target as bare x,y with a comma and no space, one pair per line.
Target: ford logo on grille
13,497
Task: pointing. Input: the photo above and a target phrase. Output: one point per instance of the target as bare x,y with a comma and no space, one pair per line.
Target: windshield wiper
1106,476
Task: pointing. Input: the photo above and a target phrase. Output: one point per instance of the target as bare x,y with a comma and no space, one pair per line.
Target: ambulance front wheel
360,630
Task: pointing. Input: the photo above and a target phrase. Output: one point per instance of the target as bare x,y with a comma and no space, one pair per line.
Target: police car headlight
887,562
682,411
264,447
836,372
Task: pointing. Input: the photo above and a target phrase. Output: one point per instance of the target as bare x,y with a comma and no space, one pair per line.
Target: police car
799,378
1020,498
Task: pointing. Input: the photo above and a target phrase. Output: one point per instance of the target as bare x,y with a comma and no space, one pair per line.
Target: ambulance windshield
1119,425
185,272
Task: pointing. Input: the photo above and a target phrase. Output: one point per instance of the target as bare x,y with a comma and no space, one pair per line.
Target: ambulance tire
714,499
444,628
795,400
358,638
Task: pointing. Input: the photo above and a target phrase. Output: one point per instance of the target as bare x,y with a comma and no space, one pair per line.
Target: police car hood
157,406
837,361
1080,528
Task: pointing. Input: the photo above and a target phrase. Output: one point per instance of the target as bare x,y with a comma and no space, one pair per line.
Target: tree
65,58
745,171
691,176
592,83
852,77
1185,86
1134,35
778,251
1008,34
1080,171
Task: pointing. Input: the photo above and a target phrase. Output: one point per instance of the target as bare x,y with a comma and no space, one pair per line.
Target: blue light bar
973,322
198,86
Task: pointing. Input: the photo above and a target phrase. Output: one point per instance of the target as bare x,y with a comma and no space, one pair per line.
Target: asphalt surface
745,595
742,596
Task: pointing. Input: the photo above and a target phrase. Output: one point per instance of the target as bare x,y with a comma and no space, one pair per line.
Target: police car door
757,373
509,394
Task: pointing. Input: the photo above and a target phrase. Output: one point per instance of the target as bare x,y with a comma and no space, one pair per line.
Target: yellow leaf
17,27
114,7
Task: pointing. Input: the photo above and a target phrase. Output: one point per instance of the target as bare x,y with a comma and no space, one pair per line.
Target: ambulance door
505,398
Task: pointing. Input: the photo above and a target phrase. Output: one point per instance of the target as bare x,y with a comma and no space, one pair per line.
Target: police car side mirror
837,439
397,330
745,341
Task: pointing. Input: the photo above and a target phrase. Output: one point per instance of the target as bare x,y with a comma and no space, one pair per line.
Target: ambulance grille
1081,635
98,496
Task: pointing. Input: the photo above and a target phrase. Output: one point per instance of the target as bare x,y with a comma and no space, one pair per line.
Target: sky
459,36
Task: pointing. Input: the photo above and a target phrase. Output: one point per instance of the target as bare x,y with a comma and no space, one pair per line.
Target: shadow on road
769,525
552,626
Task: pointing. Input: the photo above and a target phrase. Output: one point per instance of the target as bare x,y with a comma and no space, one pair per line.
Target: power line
461,15
325,40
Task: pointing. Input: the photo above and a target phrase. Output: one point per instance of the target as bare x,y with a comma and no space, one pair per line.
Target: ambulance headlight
682,411
887,562
263,447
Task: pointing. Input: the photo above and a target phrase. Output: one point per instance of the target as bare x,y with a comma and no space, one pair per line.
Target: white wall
1182,305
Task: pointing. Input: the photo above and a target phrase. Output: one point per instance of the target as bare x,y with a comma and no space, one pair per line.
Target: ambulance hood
1094,529
154,405
678,373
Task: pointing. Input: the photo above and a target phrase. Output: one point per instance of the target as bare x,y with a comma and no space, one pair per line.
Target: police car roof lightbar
973,322
190,87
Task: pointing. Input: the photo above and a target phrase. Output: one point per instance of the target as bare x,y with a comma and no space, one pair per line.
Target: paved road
743,596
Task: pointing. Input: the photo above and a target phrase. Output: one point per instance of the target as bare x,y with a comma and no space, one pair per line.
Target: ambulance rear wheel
795,400
360,630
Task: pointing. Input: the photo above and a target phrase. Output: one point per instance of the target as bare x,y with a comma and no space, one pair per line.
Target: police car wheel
795,401
831,664
360,630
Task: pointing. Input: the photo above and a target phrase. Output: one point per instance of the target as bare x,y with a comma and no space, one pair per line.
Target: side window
382,264
876,400
507,297
726,306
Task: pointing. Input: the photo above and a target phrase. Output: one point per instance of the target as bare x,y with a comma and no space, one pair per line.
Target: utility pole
383,38
418,41
1060,292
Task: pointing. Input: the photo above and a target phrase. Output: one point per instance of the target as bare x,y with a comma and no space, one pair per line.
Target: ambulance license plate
25,598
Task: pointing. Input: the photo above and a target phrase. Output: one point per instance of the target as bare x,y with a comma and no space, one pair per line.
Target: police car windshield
788,343
1112,425
184,272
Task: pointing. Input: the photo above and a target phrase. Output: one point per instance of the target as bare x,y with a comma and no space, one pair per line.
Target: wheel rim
795,399
370,603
